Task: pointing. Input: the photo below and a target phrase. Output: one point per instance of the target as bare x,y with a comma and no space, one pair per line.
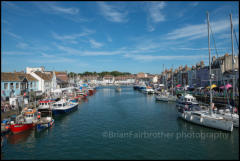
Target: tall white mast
210,72
233,83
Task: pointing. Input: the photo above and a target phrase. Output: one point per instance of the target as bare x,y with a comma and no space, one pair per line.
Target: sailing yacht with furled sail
228,114
206,118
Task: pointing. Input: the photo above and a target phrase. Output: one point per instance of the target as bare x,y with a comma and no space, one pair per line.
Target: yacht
205,118
231,116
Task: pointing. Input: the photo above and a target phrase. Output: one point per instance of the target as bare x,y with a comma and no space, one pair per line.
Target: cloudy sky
105,36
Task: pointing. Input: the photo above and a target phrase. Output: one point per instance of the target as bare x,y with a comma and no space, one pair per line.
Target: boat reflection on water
19,138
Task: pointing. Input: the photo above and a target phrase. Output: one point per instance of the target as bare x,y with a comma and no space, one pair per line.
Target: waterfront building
192,77
141,75
17,83
44,81
222,69
47,74
202,75
108,79
126,79
62,79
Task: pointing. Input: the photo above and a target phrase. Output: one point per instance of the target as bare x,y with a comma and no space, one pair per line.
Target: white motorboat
148,90
186,100
162,97
63,106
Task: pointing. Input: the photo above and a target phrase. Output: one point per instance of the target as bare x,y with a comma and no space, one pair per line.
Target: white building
47,79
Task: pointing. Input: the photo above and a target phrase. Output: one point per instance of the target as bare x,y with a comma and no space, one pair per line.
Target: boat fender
191,117
201,119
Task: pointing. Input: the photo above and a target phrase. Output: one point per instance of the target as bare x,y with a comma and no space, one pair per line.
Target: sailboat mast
164,78
210,72
172,80
233,83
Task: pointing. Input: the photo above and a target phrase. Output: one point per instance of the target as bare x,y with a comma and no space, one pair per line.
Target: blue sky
105,36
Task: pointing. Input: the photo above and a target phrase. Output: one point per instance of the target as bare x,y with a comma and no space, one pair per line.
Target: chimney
202,64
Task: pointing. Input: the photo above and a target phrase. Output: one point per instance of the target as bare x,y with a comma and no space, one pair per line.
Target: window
17,85
31,85
5,85
11,85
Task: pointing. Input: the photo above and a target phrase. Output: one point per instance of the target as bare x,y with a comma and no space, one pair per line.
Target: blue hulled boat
63,106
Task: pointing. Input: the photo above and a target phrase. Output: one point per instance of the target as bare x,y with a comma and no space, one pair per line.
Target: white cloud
74,51
13,35
95,44
164,57
111,13
22,45
155,11
72,37
192,32
54,8
17,53
58,9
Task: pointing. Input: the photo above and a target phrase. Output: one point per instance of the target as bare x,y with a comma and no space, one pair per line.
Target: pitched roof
16,77
62,75
44,76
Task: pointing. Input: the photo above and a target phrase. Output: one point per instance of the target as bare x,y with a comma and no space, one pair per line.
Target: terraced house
17,83
45,81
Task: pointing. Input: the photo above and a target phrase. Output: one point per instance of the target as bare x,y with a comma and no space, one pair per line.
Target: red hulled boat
24,121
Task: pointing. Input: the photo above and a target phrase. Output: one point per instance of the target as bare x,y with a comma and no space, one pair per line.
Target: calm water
125,125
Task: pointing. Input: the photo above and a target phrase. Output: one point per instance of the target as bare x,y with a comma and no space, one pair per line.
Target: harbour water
122,125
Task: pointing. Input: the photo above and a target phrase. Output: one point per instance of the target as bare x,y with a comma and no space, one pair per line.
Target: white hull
162,98
213,121
166,98
149,91
234,118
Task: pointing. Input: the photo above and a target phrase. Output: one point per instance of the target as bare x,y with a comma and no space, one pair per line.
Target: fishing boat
45,119
63,106
136,87
206,118
46,103
142,87
91,91
25,121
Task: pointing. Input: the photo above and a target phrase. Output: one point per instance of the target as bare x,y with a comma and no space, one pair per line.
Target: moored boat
46,104
45,120
25,121
63,106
